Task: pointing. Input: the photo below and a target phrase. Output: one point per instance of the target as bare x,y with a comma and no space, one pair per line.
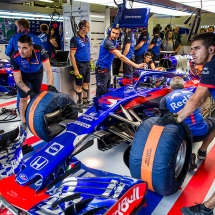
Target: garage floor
197,187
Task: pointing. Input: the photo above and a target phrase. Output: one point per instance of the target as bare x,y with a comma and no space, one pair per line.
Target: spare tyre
44,103
161,155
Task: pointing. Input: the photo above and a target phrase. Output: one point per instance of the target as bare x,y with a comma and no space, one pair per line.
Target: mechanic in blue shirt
106,55
23,27
28,63
80,59
155,44
142,45
203,53
200,128
128,49
46,40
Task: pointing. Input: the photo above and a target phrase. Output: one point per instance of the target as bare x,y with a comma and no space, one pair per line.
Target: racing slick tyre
161,155
44,103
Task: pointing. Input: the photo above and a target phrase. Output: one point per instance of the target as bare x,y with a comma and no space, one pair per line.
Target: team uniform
31,69
200,127
82,56
13,43
129,38
208,76
103,65
44,38
157,41
139,53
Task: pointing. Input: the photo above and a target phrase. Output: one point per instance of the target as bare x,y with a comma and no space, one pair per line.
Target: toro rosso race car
53,181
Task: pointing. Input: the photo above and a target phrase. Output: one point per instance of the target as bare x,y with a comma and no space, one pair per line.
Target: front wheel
163,164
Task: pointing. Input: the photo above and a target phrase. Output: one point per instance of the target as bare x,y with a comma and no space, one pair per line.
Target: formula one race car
52,182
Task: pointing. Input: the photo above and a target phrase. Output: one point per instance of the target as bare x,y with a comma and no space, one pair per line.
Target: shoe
192,162
196,210
201,154
87,103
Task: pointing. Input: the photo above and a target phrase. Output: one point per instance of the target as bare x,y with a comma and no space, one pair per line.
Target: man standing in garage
106,55
142,45
128,50
23,27
47,41
28,63
203,53
80,59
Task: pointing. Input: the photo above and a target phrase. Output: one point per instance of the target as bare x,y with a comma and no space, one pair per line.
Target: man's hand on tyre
31,93
168,118
52,88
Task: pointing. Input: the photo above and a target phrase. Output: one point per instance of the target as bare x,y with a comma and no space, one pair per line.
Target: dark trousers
127,70
102,81
139,59
116,66
155,57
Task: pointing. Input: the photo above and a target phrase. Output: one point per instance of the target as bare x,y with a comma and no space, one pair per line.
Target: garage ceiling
165,7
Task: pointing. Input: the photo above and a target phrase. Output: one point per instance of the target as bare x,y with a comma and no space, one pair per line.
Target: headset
110,28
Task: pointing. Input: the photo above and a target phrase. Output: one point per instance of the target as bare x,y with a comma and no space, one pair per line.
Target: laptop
61,57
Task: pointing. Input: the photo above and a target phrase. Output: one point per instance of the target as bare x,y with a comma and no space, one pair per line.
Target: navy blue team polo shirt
157,41
45,42
105,56
144,36
82,47
129,38
208,76
29,65
13,43
175,101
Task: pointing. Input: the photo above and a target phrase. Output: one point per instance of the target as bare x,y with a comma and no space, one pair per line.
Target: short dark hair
25,39
148,54
82,23
203,29
207,38
158,25
23,22
44,27
211,27
156,30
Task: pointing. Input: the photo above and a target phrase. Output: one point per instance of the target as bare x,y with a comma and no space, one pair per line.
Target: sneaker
201,154
192,162
196,210
87,103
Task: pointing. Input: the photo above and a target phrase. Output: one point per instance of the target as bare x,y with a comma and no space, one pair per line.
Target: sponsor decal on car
54,149
129,201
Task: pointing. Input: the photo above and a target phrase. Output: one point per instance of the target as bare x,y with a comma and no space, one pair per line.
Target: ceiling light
28,18
97,16
153,9
50,1
27,15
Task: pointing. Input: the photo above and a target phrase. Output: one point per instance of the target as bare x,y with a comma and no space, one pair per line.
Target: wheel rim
180,159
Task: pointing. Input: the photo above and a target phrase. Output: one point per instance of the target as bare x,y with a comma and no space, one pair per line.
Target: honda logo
39,162
54,149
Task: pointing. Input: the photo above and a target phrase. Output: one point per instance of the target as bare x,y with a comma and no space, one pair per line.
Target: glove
52,88
168,118
31,93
